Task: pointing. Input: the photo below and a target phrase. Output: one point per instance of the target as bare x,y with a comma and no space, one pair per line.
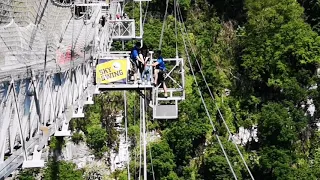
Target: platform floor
166,112
105,87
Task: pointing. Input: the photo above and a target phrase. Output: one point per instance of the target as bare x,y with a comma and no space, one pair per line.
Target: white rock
244,136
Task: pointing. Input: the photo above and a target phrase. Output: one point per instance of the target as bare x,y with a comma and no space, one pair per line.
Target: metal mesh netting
32,31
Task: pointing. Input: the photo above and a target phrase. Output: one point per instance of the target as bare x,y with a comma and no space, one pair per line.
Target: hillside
256,65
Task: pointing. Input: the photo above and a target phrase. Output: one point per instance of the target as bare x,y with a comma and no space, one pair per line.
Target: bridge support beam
36,160
64,129
78,112
89,99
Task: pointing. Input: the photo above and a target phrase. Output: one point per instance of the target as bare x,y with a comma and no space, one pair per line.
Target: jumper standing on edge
159,72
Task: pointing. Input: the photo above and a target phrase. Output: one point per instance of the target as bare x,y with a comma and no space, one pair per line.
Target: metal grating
166,112
32,31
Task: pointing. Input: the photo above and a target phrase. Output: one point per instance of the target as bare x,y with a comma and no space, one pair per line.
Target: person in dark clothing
143,54
136,59
103,22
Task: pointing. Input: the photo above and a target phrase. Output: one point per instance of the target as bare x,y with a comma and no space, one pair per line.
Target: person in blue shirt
159,73
135,57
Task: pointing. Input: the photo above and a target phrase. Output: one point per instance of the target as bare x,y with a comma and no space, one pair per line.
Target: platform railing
92,2
167,107
123,29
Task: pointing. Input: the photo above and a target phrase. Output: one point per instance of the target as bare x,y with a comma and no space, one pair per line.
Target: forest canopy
266,53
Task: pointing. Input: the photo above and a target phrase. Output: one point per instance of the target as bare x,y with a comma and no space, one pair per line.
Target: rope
140,141
175,25
133,18
206,109
146,105
135,152
220,114
72,43
164,22
85,42
145,14
132,9
151,159
71,61
126,129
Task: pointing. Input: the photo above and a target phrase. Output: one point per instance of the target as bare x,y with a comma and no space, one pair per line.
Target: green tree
276,127
215,166
96,140
280,50
312,8
230,10
77,137
28,174
162,160
62,170
184,138
316,165
276,164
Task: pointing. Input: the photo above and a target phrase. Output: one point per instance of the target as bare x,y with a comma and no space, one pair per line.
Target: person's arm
146,61
135,54
140,58
154,64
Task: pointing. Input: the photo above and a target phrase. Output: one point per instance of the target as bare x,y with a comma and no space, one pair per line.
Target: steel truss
33,109
42,85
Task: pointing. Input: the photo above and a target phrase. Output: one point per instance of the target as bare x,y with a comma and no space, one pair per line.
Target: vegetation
266,52
28,174
62,170
77,137
55,170
98,124
96,139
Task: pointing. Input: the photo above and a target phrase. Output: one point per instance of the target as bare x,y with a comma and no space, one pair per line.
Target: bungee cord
145,15
146,105
163,24
202,99
211,95
126,131
208,114
200,93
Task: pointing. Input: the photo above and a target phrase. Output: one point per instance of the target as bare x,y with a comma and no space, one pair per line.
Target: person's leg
156,72
131,70
140,65
165,89
135,71
148,76
141,69
161,80
143,75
